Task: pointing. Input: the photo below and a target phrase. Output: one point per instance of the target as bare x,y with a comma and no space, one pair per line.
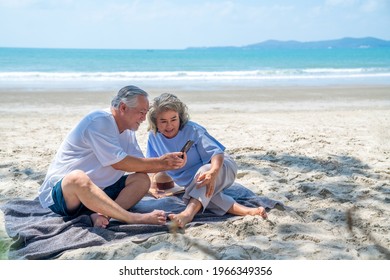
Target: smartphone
186,146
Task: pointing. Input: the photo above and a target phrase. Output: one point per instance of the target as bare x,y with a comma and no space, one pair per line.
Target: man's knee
140,179
76,178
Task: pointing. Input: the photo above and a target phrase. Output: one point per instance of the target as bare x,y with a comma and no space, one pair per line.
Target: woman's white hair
167,102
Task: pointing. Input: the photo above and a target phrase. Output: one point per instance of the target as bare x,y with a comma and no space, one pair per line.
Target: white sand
322,151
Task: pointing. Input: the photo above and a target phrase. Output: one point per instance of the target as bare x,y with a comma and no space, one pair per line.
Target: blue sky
173,24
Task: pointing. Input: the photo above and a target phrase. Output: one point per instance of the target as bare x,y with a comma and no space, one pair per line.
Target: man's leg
137,186
78,188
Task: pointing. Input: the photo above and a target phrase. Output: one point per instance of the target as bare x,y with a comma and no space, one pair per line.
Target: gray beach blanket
38,233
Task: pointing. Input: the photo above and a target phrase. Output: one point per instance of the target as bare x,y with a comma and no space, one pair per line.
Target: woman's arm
209,178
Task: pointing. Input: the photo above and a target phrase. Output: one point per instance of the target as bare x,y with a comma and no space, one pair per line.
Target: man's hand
173,160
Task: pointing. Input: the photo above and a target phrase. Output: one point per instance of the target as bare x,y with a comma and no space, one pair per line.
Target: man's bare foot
180,219
99,220
157,217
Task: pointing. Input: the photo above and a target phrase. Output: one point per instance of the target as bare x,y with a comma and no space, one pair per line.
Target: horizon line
192,47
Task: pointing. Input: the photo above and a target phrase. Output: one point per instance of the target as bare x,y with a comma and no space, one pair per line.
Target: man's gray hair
128,95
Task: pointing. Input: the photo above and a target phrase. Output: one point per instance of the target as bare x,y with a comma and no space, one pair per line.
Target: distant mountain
351,43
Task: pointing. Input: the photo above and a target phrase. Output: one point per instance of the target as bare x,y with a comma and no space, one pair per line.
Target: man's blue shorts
59,205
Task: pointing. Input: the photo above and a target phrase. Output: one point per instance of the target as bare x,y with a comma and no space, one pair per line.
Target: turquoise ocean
198,68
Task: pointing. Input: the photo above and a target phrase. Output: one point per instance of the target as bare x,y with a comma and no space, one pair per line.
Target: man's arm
151,165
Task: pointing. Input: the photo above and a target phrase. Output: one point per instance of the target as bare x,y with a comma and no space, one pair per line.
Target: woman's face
168,123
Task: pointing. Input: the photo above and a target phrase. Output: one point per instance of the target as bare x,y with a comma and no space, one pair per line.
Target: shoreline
224,99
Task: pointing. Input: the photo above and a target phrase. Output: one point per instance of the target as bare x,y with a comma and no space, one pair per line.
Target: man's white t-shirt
92,146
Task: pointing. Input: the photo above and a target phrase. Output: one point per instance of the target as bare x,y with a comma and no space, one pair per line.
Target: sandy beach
323,151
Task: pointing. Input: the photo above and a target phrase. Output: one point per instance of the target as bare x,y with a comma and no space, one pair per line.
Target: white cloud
370,6
341,3
36,4
17,3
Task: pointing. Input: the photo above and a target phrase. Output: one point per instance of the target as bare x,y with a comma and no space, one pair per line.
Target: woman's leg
219,203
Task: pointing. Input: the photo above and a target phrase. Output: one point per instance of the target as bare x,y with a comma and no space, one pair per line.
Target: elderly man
88,173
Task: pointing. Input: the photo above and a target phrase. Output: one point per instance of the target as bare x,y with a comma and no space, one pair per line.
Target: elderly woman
208,170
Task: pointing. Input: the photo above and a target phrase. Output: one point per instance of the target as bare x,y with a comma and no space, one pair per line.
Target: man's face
133,117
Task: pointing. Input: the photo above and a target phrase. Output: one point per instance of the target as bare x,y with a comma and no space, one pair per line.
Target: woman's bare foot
181,219
259,211
99,220
241,210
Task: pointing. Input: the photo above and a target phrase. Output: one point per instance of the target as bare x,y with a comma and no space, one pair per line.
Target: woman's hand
207,179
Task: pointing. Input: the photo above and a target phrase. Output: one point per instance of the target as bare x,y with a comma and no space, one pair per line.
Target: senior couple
100,169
